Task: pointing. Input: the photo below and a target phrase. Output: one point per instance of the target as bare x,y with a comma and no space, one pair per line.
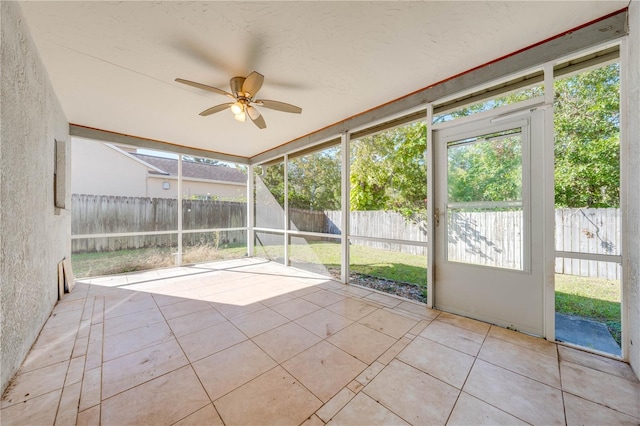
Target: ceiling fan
243,92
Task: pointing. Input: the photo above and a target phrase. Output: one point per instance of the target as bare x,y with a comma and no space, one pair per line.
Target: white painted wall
194,187
34,235
97,169
633,105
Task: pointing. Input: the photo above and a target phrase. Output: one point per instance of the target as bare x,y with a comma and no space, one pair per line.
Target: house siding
98,169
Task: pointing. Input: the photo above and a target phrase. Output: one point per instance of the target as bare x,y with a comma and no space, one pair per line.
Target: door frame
544,104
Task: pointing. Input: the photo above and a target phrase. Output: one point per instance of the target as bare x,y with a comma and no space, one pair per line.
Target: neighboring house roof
192,169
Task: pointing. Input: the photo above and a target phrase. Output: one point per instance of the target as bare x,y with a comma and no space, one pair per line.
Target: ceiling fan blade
215,109
205,87
279,106
252,84
256,117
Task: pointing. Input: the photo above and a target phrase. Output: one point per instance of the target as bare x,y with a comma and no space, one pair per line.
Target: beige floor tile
40,410
155,402
383,299
306,290
596,362
372,371
275,398
228,369
418,309
259,322
70,319
66,305
470,411
204,416
406,314
413,395
84,329
606,389
530,342
296,308
462,322
519,396
43,354
388,323
454,337
132,321
34,383
313,421
134,340
285,341
323,297
362,342
117,308
521,360
233,311
419,327
324,369
89,417
75,371
94,355
352,308
162,299
441,362
324,323
582,412
98,313
210,340
196,321
355,386
91,391
133,369
277,299
87,313
362,410
354,290
179,309
68,409
393,351
80,347
335,404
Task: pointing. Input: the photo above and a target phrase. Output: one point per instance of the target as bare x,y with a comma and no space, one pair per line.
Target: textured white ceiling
113,64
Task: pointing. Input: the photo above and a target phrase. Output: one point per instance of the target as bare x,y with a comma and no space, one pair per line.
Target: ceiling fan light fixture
243,91
237,108
242,117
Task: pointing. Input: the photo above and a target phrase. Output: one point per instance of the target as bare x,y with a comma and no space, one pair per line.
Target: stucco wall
34,235
633,97
100,170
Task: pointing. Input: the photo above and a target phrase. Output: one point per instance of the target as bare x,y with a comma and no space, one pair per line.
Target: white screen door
488,221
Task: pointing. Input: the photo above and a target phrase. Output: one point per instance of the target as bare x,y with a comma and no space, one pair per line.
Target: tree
388,171
587,139
314,180
489,169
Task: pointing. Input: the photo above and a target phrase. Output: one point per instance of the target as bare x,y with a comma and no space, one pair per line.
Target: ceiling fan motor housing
236,86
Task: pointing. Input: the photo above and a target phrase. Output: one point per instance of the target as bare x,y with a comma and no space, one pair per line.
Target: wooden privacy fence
486,238
99,214
594,231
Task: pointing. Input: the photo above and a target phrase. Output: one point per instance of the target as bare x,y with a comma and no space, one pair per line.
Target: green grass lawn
123,261
592,298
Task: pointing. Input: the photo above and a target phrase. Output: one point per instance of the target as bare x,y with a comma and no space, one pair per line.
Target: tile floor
250,342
